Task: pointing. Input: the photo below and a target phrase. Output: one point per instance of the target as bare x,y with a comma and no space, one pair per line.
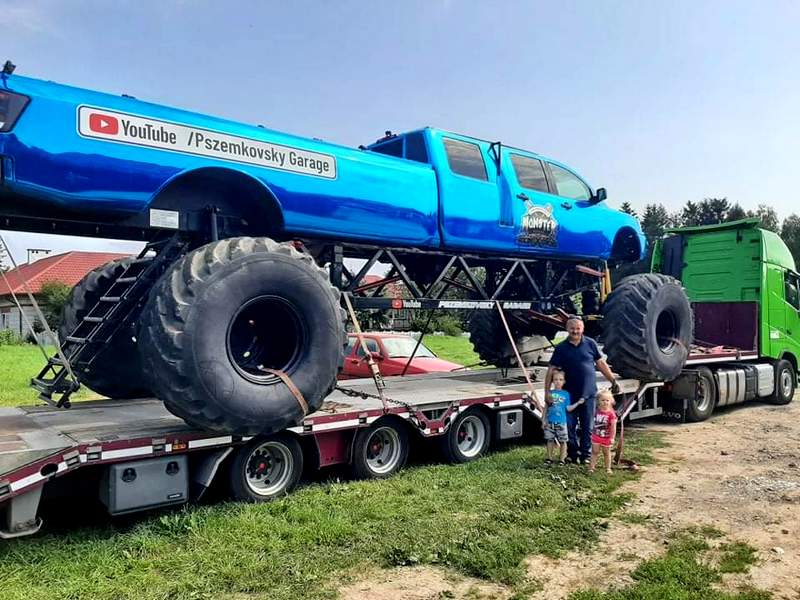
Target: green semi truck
744,311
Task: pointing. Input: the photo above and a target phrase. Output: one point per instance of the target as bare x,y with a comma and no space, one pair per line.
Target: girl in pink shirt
605,430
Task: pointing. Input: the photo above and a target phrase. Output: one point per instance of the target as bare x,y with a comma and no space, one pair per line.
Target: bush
448,324
9,338
52,299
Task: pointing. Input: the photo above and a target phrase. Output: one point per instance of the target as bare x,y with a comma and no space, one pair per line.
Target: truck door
470,206
536,211
791,287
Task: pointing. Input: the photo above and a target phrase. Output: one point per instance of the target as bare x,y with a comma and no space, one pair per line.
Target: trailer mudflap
682,389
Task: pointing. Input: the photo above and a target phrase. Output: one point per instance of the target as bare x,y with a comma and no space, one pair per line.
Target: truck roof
478,140
774,250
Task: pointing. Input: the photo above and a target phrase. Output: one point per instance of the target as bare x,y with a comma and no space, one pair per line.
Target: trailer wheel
266,468
490,340
702,405
227,310
116,372
785,383
468,437
648,327
379,451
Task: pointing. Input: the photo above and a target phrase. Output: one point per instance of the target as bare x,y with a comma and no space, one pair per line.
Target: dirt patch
420,583
739,473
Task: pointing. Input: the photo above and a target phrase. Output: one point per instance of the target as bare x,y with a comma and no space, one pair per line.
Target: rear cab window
410,146
465,158
568,184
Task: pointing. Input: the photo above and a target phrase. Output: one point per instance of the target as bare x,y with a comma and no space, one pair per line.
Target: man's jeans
583,415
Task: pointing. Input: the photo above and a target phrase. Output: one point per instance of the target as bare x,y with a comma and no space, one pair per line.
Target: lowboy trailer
136,456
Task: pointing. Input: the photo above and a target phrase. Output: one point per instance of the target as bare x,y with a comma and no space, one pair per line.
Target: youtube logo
104,124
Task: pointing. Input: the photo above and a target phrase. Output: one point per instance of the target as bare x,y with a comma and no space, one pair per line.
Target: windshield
402,347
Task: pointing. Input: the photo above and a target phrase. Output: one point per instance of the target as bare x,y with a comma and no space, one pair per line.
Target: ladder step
126,280
113,299
93,319
76,340
143,259
40,386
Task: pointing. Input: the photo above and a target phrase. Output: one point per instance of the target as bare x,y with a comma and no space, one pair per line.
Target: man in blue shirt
578,356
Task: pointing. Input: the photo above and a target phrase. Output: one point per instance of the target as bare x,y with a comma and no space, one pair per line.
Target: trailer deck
40,442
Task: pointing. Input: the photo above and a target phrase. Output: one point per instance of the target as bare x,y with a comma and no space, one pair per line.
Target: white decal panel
113,126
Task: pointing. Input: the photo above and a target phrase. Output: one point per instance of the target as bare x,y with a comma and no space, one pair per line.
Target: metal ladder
114,311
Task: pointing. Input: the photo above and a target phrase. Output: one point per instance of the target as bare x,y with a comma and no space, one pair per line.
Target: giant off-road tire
490,340
225,311
648,327
117,371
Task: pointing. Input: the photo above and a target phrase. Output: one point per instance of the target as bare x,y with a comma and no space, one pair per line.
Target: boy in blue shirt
554,421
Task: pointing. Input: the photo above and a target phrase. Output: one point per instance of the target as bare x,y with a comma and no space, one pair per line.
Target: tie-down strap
298,395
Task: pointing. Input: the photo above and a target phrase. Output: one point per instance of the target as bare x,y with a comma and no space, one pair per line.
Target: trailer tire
490,340
700,409
785,383
467,438
648,327
266,468
229,308
116,372
379,451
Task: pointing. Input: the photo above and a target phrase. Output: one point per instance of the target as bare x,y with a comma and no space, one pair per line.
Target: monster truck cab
494,197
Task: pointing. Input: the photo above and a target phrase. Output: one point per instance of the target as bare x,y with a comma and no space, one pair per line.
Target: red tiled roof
68,268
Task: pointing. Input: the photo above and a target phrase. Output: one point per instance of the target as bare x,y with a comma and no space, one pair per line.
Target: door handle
523,196
567,205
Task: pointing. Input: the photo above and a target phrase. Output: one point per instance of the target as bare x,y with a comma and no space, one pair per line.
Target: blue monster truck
247,230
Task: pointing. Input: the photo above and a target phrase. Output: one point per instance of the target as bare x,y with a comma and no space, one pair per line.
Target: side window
393,148
790,289
530,173
568,185
415,147
465,159
372,346
351,342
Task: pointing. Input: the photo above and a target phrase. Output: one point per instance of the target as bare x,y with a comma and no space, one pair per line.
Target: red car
391,352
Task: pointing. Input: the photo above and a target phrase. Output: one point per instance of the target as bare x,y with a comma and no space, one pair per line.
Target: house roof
68,268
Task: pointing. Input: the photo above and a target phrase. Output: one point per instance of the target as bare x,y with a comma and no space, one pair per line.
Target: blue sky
658,102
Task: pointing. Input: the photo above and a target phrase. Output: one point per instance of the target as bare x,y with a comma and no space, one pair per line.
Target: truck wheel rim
667,331
786,383
703,396
470,436
269,469
383,450
266,332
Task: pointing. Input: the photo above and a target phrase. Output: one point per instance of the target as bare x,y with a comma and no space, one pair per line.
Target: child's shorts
556,431
601,441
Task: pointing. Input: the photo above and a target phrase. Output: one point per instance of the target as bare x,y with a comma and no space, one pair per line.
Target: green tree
713,211
52,298
690,214
628,209
655,220
768,218
790,232
736,213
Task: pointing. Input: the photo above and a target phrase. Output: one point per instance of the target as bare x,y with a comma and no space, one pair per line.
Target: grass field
481,519
17,365
453,348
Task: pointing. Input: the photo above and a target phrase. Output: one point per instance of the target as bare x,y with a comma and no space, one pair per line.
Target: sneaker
548,462
562,463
